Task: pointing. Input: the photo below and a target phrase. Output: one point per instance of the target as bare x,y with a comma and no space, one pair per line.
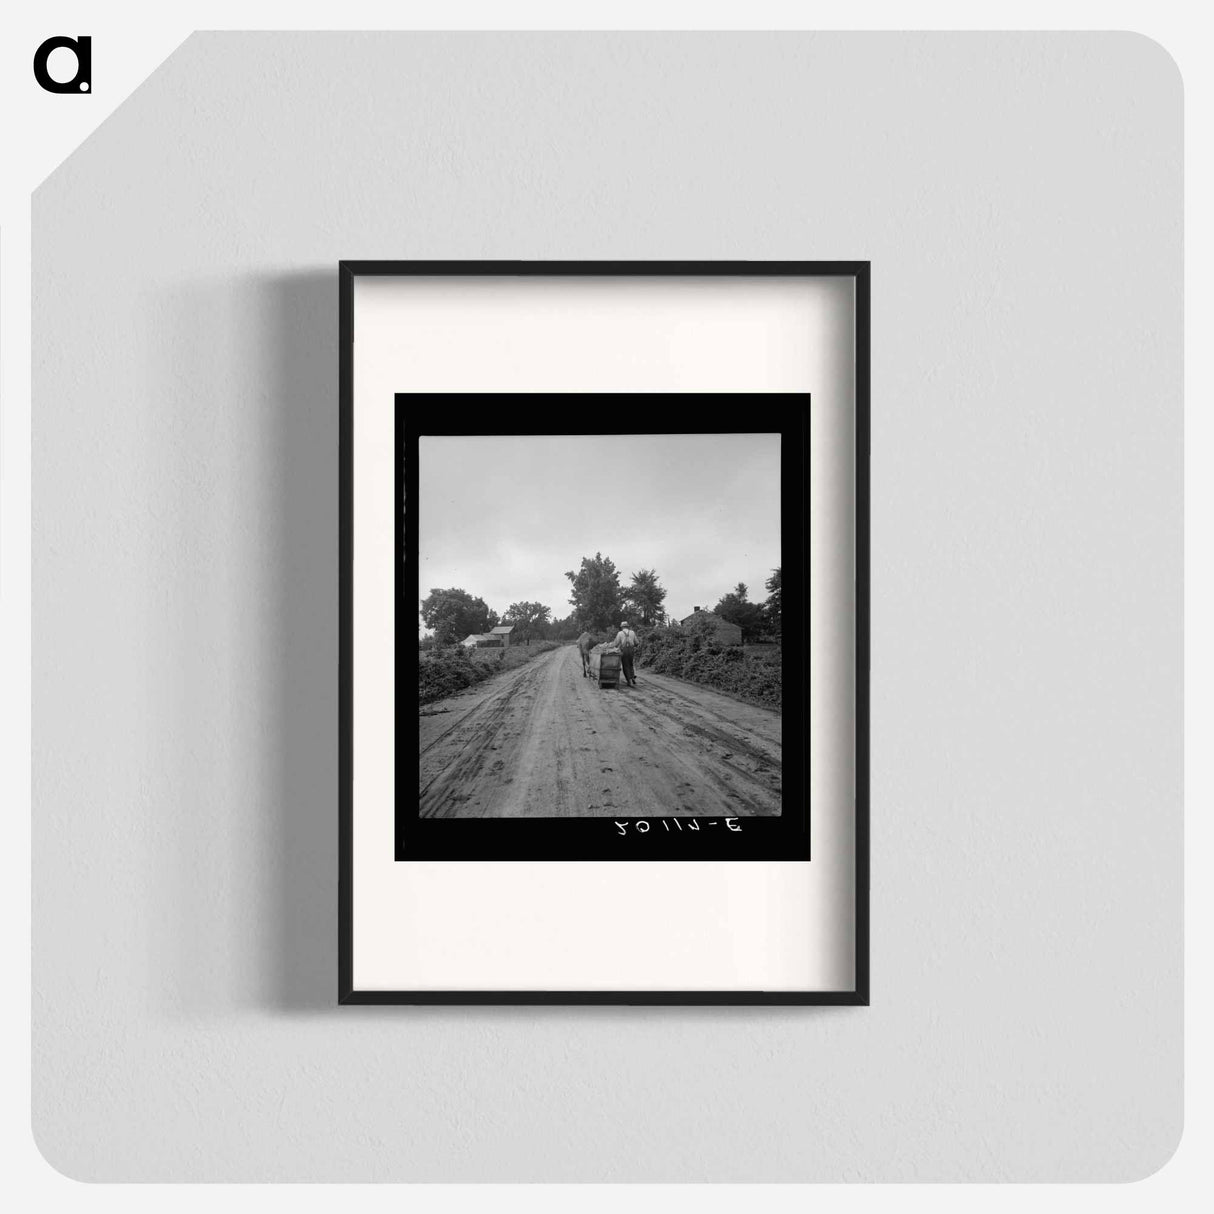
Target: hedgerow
445,670
694,654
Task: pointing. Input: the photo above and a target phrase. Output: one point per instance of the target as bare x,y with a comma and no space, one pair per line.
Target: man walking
627,642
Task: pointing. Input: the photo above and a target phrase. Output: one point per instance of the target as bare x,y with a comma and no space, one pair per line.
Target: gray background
1020,199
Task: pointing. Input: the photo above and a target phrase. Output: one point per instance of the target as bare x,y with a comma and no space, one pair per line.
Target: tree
562,630
454,613
735,608
596,598
645,596
528,618
775,601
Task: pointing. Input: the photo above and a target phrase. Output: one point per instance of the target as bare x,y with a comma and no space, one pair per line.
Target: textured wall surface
1020,199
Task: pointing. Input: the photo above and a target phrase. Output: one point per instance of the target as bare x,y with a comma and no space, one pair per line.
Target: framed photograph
604,632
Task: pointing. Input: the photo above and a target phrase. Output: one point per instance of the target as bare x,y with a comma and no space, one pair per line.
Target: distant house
502,633
725,632
480,640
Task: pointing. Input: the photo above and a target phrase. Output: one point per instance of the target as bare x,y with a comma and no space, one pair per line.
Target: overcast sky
504,517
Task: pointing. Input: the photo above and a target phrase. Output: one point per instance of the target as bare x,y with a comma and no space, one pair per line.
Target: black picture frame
348,273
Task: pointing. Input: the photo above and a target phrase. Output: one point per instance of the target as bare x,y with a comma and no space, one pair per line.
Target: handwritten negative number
642,826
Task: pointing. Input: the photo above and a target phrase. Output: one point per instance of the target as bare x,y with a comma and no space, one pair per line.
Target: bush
694,654
446,670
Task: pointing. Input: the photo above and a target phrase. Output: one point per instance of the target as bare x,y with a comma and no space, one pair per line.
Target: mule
585,644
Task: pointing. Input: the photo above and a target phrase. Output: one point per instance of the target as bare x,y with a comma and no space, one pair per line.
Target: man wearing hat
626,640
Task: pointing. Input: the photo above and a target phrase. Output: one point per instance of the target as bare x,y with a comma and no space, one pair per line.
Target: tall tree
526,616
454,613
645,596
596,598
735,608
775,601
565,629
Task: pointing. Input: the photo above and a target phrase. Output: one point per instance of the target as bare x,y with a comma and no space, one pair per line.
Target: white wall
1019,197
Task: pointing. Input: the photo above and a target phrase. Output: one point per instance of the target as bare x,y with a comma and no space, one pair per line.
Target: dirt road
541,741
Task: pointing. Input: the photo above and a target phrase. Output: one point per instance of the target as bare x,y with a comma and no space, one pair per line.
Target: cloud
504,517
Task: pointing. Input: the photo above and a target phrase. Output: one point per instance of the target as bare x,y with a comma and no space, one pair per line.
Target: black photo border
785,836
348,271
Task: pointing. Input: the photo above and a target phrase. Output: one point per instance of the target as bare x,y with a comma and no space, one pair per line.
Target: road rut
541,741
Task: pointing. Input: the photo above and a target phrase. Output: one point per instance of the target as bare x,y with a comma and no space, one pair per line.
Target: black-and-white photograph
599,626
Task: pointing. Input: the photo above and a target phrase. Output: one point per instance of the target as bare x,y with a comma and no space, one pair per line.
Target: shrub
693,653
446,670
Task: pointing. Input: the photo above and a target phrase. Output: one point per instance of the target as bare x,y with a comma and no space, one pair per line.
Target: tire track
549,743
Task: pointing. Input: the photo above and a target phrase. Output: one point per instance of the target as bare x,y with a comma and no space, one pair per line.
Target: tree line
452,614
757,620
599,602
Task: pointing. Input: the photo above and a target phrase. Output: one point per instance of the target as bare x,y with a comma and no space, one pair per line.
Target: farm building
726,633
502,633
480,640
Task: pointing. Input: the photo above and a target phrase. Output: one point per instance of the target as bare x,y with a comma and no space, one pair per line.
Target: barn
480,640
502,633
724,632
